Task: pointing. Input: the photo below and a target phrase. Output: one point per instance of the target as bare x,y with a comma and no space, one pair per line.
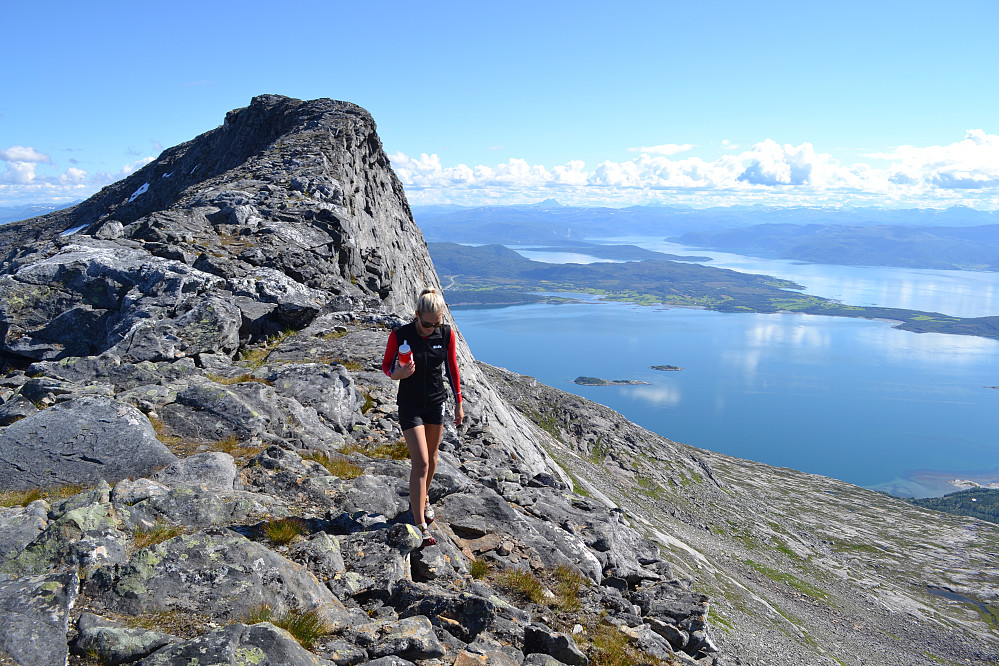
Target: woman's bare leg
419,456
433,434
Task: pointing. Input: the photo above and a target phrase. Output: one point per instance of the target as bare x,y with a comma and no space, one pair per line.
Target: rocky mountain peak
301,188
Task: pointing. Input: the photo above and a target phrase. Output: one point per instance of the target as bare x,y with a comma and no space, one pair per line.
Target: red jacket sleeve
452,368
388,361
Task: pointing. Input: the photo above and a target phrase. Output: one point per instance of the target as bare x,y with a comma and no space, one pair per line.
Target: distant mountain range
16,213
956,238
958,248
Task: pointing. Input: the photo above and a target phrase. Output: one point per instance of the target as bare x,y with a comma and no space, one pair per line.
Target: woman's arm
391,349
451,368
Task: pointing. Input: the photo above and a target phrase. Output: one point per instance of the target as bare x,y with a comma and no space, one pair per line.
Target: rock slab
80,441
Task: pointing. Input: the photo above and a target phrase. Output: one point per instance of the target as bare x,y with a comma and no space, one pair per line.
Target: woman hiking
422,395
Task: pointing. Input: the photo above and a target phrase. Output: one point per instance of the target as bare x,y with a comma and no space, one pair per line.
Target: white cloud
18,172
19,183
664,149
24,154
20,164
965,172
73,175
970,164
134,166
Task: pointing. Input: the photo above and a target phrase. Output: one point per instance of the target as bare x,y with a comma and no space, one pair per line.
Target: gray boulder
209,412
649,641
321,554
473,656
115,643
207,325
18,528
465,615
673,601
34,618
378,558
385,495
260,644
540,638
475,513
80,441
215,572
207,471
411,638
200,508
538,659
328,389
390,661
15,409
78,536
342,652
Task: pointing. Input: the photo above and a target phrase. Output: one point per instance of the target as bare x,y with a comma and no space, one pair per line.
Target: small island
668,368
597,381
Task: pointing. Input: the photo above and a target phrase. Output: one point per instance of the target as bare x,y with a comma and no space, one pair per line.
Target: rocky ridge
191,374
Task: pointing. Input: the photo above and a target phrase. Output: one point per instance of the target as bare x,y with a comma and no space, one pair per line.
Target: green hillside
982,503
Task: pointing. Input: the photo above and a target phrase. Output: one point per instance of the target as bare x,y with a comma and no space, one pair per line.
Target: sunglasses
425,324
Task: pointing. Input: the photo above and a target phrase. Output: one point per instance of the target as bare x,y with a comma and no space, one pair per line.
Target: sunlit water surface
848,398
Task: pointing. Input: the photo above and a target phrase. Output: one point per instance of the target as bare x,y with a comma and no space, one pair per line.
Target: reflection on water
658,395
563,257
930,348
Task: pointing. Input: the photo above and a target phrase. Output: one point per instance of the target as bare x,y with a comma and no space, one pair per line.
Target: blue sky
698,103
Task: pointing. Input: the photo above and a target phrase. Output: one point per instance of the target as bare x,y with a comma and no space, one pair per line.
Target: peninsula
488,268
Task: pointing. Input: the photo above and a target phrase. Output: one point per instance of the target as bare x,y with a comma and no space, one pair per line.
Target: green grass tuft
568,583
226,381
609,646
308,627
479,569
340,467
524,583
9,498
396,450
283,531
158,533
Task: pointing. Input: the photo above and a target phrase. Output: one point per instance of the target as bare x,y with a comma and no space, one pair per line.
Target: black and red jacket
424,387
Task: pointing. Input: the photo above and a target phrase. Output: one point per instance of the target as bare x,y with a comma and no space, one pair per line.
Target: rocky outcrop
80,441
206,454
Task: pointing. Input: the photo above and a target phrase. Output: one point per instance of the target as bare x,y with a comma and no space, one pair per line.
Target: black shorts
410,417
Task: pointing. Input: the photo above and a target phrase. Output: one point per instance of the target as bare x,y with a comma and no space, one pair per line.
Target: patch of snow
74,230
141,190
194,169
167,175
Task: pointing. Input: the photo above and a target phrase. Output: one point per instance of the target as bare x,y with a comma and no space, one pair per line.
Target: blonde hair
430,302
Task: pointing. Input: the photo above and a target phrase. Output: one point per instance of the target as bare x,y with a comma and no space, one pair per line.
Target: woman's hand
459,415
404,371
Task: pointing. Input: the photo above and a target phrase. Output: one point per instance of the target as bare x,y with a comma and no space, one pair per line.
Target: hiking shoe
428,512
428,538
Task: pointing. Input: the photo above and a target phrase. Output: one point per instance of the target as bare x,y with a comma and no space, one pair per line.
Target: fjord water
848,398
